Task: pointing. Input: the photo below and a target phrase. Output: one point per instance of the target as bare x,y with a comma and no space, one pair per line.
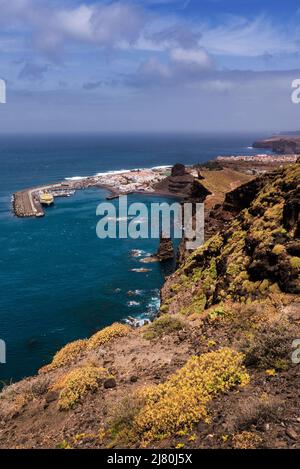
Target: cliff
280,144
213,371
258,250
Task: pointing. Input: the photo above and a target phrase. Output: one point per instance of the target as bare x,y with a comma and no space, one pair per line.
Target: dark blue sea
59,282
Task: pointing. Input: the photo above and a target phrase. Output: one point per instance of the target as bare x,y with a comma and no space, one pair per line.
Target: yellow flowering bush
77,383
106,335
66,355
181,401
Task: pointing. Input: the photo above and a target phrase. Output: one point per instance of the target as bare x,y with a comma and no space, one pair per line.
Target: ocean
59,282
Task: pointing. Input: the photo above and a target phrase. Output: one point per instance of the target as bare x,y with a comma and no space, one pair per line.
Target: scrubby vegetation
220,313
72,351
182,400
66,355
231,312
106,335
252,258
247,440
269,346
74,385
295,263
165,324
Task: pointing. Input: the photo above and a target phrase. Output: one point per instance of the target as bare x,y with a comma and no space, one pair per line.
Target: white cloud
105,25
154,68
125,24
198,57
76,23
241,37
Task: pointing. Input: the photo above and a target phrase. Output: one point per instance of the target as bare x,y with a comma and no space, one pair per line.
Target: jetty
30,202
25,205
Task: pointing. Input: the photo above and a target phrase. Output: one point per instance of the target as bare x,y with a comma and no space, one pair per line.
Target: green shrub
269,346
165,324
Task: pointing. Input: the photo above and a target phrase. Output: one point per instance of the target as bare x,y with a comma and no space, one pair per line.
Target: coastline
143,181
153,355
26,203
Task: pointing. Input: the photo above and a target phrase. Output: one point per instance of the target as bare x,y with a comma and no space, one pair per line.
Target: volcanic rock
166,249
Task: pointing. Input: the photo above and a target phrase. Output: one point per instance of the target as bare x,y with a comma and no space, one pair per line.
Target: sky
149,65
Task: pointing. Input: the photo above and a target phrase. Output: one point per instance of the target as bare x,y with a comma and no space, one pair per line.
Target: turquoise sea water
59,282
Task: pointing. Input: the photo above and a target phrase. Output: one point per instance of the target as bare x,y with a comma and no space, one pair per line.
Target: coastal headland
281,144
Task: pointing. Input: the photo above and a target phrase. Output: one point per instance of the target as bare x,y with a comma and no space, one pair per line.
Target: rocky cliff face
255,254
280,144
166,249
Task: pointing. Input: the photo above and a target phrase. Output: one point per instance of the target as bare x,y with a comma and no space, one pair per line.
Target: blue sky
149,65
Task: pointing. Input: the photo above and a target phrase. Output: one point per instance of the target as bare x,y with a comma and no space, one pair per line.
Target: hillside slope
214,370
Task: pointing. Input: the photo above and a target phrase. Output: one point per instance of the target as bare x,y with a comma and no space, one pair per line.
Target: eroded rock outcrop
183,184
166,249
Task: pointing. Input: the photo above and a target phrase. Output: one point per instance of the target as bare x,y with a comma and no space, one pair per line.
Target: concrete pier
25,204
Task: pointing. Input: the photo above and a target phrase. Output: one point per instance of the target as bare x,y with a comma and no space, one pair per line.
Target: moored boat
46,199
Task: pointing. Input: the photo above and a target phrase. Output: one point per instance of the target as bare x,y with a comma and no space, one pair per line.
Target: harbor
32,202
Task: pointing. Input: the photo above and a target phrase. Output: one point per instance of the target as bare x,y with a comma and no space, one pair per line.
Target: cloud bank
191,61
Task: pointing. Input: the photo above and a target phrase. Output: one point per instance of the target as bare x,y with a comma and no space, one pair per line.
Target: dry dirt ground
221,182
30,417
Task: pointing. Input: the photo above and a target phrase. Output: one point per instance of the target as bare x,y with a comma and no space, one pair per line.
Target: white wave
139,292
137,253
116,171
141,270
162,167
76,178
133,303
154,304
136,322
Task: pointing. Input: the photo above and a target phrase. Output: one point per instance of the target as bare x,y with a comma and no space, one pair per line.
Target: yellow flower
180,402
77,383
106,335
271,372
